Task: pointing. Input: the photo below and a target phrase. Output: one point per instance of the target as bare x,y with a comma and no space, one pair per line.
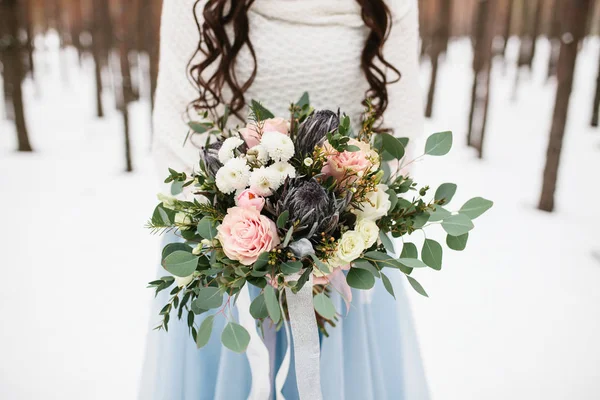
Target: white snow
517,315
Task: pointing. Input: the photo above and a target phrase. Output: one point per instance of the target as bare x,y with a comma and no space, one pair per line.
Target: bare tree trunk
439,45
574,15
126,96
537,19
101,37
13,67
482,67
508,25
596,109
554,38
29,29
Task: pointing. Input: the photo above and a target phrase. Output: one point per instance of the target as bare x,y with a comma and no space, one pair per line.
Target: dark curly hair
221,51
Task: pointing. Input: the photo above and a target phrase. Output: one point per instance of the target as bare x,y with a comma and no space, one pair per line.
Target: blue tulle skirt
372,353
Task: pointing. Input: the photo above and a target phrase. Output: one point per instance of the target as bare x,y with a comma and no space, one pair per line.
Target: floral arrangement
280,200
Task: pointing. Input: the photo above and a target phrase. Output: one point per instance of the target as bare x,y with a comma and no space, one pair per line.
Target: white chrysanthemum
350,246
258,153
264,181
284,170
234,175
377,206
227,150
279,145
369,231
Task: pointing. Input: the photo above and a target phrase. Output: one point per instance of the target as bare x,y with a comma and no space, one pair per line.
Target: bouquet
281,202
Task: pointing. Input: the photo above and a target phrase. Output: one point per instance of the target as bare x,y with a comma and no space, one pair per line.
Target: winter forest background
514,316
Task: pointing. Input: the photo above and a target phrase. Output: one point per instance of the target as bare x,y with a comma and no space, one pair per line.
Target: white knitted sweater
301,45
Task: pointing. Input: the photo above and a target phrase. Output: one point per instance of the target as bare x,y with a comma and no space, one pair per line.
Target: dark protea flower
209,156
308,202
312,131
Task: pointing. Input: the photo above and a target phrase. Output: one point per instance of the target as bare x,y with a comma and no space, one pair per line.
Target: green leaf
475,207
393,198
209,297
420,220
387,243
324,306
409,250
417,286
176,187
199,127
364,264
288,237
439,214
258,307
181,263
392,145
235,337
360,279
304,100
320,264
458,243
272,304
456,225
282,219
260,111
439,144
432,254
163,216
262,261
446,191
291,267
172,247
203,335
384,260
387,284
412,263
207,228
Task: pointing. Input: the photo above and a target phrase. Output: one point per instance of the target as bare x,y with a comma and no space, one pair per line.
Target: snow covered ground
516,316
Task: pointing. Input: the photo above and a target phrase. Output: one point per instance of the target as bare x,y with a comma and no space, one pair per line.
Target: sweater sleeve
174,92
405,109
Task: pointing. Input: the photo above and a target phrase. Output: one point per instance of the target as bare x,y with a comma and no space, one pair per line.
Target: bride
341,52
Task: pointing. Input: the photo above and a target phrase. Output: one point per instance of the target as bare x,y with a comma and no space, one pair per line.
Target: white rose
369,231
350,246
234,175
377,205
227,150
279,145
183,282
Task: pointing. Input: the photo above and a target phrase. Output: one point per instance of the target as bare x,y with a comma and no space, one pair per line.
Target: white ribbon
307,351
257,353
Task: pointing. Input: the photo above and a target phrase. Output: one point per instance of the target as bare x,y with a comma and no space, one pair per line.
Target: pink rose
349,164
249,198
252,136
245,234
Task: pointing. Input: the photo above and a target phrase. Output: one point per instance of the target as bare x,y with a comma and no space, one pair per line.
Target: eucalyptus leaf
261,112
387,284
181,263
291,267
172,247
458,243
364,264
432,254
360,279
446,191
392,145
261,262
475,207
304,100
412,263
420,220
272,304
204,332
439,214
387,243
324,306
458,224
258,307
409,250
288,237
207,228
417,286
208,298
176,187
199,127
439,144
235,337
